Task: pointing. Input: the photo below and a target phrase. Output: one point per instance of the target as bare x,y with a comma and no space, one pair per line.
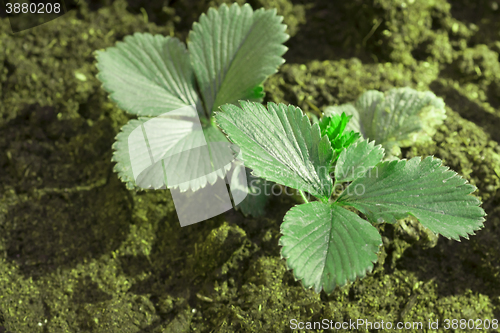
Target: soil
81,253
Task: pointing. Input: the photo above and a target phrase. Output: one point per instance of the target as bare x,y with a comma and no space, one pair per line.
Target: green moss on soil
80,253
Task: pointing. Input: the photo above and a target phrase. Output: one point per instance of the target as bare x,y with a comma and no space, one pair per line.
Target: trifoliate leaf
438,197
148,75
280,144
333,126
396,119
327,245
233,50
356,160
190,156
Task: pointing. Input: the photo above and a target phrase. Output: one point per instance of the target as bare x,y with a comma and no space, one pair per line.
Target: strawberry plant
324,243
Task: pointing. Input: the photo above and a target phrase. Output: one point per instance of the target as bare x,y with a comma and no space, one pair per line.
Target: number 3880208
33,8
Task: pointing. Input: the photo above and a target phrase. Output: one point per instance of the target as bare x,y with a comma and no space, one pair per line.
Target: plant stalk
303,196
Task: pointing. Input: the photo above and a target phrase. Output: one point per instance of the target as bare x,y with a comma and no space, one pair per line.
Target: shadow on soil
468,109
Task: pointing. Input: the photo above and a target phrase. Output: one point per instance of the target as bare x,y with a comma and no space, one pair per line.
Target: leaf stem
202,99
303,196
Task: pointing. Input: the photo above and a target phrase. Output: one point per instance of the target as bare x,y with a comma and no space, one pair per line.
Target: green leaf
399,118
189,157
233,50
327,245
438,197
148,75
356,160
333,126
280,144
349,110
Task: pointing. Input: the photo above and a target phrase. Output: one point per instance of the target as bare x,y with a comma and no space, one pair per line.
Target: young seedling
324,243
399,118
231,51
